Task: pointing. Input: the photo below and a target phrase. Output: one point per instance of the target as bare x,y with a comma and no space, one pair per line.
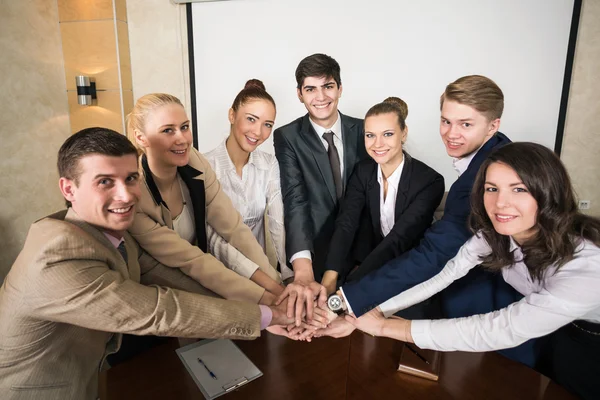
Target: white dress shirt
567,294
338,141
387,206
257,190
460,165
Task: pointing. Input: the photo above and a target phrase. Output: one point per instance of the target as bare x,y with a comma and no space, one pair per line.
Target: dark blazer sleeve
440,243
348,221
414,221
298,226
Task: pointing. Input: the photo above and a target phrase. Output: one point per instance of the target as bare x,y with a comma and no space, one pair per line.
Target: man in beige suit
75,286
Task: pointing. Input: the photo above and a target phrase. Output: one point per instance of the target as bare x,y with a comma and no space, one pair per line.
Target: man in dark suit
471,108
316,155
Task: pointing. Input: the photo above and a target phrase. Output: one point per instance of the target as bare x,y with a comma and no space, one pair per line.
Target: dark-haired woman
182,198
528,228
249,176
389,201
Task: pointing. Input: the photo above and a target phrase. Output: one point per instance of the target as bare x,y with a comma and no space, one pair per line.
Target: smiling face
106,191
384,138
167,136
252,123
320,96
464,129
508,203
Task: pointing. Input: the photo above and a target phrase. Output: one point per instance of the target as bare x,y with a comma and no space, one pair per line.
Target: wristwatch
336,304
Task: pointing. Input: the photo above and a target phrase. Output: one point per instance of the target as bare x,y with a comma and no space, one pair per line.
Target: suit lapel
317,149
132,263
403,186
373,197
119,264
158,200
195,184
350,138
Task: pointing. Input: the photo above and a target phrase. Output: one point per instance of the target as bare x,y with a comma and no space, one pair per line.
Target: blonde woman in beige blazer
180,197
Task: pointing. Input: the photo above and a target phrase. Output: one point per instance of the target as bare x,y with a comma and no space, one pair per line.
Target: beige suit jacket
69,288
153,229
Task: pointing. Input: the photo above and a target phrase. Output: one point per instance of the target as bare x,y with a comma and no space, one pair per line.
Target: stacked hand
302,295
300,313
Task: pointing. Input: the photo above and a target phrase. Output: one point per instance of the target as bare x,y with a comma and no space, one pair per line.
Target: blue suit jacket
440,243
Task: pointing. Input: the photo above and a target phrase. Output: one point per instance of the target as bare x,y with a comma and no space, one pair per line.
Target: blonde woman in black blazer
389,201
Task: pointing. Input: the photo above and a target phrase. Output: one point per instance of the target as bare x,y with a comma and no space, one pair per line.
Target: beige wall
34,119
158,39
95,43
581,146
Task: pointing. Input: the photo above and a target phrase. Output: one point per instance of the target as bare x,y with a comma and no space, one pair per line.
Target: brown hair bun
254,84
400,104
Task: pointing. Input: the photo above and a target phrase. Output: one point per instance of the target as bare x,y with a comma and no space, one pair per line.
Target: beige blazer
69,288
153,229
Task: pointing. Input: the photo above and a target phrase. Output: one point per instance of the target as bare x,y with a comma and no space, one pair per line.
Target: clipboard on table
217,366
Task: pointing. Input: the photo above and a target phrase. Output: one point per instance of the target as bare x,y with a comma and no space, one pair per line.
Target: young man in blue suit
316,154
471,108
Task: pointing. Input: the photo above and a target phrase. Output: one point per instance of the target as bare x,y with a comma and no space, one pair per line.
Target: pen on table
416,353
209,371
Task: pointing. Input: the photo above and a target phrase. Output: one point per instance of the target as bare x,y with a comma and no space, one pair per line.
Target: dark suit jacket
420,191
309,198
440,243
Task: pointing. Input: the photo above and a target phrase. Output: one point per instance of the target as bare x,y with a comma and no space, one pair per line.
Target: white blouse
387,206
256,191
567,294
185,226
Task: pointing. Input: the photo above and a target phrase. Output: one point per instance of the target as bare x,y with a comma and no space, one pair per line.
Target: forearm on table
398,329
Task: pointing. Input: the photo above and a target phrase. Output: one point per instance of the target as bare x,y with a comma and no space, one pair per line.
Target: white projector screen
404,48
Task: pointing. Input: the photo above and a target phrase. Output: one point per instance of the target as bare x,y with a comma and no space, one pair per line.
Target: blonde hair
392,105
476,91
136,119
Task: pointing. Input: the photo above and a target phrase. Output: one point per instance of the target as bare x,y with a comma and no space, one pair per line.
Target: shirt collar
461,164
513,244
394,179
223,161
336,128
115,242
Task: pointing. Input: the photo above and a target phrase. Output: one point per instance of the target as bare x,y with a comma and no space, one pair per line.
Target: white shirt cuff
346,301
420,331
301,254
388,308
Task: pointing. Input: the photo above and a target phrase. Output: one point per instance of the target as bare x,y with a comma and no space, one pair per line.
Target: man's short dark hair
88,141
319,66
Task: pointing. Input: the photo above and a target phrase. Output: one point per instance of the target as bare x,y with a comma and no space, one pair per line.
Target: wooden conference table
356,367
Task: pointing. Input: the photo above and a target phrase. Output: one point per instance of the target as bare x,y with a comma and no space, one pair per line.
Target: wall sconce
86,90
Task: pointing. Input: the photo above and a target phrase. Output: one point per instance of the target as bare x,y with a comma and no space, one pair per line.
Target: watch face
334,303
